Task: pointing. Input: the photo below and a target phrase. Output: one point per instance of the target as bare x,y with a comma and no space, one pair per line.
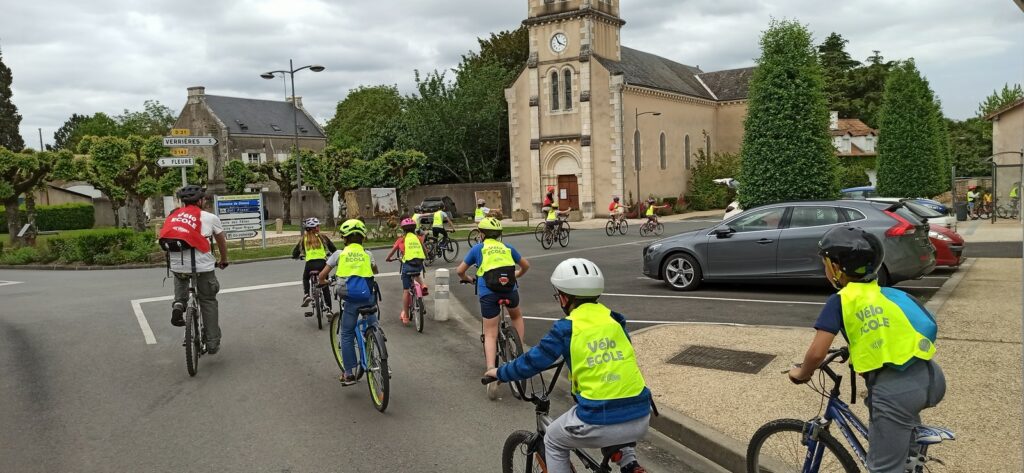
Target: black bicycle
435,248
320,307
524,450
616,224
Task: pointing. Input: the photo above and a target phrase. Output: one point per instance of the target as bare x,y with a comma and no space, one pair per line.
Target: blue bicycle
371,352
789,445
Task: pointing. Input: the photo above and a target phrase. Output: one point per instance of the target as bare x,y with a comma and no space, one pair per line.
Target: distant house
1007,146
852,137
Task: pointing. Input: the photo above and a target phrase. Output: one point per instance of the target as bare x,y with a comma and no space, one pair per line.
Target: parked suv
433,204
779,242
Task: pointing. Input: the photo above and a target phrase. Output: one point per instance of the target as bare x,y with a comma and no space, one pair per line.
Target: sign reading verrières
189,141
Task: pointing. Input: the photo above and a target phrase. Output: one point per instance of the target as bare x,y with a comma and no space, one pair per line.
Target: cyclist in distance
437,225
496,277
356,269
411,246
314,247
616,209
891,341
182,224
613,404
652,214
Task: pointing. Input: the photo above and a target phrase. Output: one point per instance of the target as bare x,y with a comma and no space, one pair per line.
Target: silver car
779,242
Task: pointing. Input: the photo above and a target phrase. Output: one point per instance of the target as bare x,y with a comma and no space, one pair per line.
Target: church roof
244,116
648,70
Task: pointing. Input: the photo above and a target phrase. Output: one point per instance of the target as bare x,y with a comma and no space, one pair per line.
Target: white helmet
578,277
480,202
311,222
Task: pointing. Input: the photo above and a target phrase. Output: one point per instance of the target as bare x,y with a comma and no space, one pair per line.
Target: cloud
107,55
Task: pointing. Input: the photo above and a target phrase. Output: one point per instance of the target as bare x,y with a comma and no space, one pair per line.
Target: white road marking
9,283
557,253
147,331
665,322
706,298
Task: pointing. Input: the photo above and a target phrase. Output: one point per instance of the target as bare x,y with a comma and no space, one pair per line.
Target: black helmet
858,253
191,194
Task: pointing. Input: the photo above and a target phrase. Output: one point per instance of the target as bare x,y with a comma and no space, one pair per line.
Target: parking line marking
707,298
147,331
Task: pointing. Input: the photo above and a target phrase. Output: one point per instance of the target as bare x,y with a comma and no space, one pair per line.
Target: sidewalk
978,231
979,348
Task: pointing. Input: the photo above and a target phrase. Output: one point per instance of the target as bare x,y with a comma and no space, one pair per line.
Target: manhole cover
722,359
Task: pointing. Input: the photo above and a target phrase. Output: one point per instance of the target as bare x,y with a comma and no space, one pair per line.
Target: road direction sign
189,141
229,219
179,151
181,132
171,162
240,235
229,227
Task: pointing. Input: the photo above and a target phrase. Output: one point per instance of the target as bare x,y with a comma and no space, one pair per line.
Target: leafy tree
909,141
10,119
431,124
943,158
62,137
508,50
787,152
79,126
703,192
155,119
401,170
125,170
22,173
238,175
365,111
281,173
970,141
1000,98
336,170
867,87
836,65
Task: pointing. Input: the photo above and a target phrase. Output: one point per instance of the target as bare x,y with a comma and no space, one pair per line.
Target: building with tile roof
852,137
576,112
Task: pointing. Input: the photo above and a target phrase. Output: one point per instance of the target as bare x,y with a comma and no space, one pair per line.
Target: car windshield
922,210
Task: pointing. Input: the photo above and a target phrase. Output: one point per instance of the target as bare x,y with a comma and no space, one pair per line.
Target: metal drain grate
722,359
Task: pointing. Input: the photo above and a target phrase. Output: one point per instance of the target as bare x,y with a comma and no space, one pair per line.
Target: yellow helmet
490,223
352,226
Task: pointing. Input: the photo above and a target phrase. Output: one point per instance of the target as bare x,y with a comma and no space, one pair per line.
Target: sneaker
347,379
492,391
177,309
633,468
212,347
306,300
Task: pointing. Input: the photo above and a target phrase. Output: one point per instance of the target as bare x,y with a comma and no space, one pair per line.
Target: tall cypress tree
787,151
10,137
910,151
836,65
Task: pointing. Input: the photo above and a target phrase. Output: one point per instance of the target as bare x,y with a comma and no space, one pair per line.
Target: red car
949,246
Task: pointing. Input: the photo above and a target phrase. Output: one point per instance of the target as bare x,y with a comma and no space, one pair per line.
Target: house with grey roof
597,120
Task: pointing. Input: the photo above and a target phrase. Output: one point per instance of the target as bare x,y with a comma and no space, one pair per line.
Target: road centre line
147,331
708,298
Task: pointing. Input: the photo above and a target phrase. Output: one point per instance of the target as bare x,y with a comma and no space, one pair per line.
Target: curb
934,305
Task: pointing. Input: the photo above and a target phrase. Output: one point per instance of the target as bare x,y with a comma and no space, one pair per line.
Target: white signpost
172,162
241,216
181,137
176,141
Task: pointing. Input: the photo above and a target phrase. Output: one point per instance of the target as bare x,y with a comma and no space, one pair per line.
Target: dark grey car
779,242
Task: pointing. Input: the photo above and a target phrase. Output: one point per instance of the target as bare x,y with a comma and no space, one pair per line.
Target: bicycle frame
839,413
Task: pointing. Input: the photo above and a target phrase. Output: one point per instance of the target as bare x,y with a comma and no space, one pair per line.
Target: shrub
853,172
57,217
24,255
704,193
105,247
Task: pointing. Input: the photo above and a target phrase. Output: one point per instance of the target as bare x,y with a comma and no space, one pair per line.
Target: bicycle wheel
335,329
473,237
429,250
318,306
510,348
539,231
523,452
643,230
547,240
193,344
378,378
418,312
659,229
623,227
778,446
563,237
450,251
609,228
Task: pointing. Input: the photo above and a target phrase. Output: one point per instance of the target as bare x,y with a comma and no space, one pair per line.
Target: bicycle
651,228
557,232
416,308
195,332
810,439
528,447
371,352
1007,211
980,211
320,306
616,224
445,248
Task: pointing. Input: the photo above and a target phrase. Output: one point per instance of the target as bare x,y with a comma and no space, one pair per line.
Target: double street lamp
295,119
636,153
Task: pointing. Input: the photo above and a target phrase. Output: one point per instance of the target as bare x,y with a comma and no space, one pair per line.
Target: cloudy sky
73,56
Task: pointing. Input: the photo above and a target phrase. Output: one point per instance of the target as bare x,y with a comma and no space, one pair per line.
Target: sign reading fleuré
172,162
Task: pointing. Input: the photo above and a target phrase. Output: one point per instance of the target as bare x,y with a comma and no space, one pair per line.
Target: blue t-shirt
475,257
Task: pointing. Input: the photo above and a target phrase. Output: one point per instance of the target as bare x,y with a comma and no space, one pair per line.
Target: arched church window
686,151
554,90
568,88
664,158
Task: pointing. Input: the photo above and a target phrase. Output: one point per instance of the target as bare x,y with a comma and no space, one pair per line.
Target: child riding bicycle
891,342
613,404
355,271
314,247
496,277
652,215
410,245
616,210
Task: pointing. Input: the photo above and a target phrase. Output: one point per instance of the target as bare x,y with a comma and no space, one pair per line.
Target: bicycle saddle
368,310
504,302
928,435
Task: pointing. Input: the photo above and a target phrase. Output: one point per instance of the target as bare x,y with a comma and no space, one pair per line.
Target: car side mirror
724,232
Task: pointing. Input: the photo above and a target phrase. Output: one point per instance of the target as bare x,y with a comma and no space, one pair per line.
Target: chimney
196,94
833,120
298,101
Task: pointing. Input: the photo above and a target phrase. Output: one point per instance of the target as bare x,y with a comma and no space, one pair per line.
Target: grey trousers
895,401
207,288
568,432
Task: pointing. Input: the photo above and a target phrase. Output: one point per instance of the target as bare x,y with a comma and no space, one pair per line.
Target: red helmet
551,188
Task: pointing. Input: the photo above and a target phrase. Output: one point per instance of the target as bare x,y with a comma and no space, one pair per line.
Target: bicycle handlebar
487,380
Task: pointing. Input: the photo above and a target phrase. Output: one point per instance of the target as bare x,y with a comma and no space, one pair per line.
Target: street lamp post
636,154
295,119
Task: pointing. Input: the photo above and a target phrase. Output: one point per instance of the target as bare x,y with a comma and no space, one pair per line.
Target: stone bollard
441,294
279,226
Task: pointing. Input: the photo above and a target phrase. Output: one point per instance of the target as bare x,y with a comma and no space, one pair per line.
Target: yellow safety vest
494,255
413,248
650,210
971,196
439,218
354,261
1013,193
479,214
552,214
315,253
878,330
603,363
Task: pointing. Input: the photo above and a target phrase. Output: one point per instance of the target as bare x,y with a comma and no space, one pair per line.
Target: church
596,119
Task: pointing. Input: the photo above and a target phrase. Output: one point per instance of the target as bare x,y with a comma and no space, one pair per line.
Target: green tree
1000,98
155,119
238,176
62,137
336,170
362,114
909,141
508,50
281,173
10,119
21,173
401,170
79,126
836,65
970,142
787,152
867,85
125,170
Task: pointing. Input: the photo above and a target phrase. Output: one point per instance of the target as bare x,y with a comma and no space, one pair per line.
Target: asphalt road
82,391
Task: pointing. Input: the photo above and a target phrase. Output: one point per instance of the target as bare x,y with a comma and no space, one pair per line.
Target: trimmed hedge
24,255
57,217
704,194
104,247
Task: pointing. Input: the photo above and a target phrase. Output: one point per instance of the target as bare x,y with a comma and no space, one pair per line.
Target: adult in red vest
196,226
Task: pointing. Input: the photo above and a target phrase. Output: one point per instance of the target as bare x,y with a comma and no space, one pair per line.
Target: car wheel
883,277
681,272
